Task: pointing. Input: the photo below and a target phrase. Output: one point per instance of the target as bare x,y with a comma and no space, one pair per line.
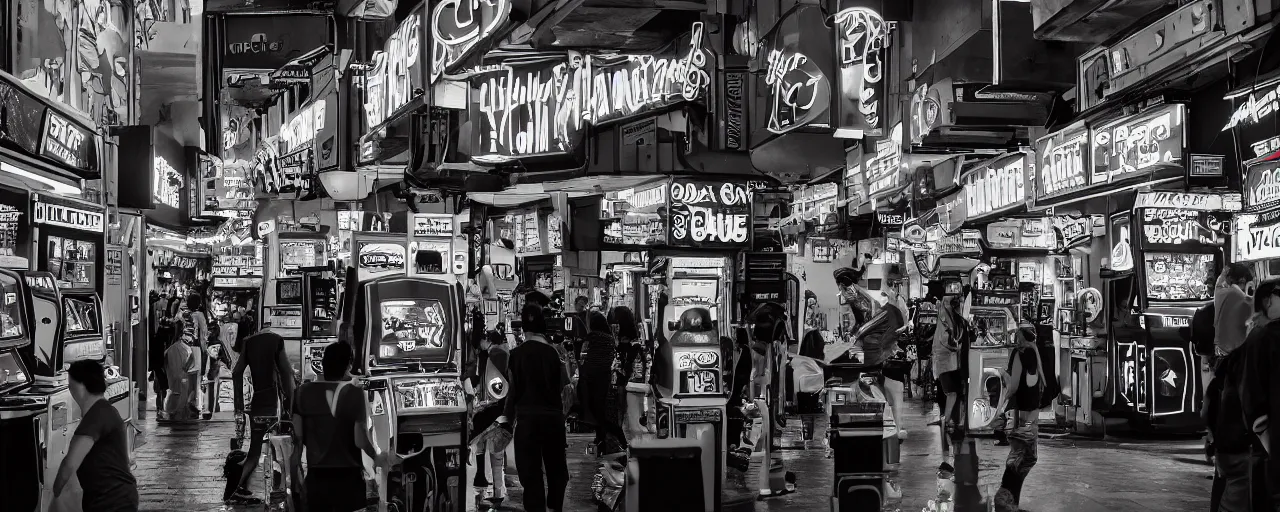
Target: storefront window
71,261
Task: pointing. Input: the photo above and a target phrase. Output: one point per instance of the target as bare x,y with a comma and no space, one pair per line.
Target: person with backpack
1025,398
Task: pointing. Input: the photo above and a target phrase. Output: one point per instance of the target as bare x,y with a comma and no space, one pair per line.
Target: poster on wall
709,214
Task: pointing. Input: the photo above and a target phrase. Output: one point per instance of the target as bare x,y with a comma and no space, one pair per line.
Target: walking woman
595,378
947,339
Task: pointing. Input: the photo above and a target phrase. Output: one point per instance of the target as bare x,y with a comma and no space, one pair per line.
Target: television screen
413,329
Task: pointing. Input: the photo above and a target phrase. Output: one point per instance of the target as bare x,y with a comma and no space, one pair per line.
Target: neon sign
1063,161
65,141
799,90
705,214
996,187
394,76
301,129
168,183
1179,226
860,40
884,170
1256,240
536,109
458,27
1262,186
1255,108
1137,143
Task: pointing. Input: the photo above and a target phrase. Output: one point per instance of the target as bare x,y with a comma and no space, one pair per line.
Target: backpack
1203,331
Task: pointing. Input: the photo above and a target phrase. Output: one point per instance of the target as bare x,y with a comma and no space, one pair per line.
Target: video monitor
81,315
410,320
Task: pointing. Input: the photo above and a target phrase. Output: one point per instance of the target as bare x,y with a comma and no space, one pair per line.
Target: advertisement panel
1062,162
1138,143
795,90
997,186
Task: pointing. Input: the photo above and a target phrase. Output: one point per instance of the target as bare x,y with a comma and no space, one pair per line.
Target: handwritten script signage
1255,107
460,26
68,217
733,107
1062,160
796,89
1137,143
996,187
395,76
542,107
709,214
1262,186
860,41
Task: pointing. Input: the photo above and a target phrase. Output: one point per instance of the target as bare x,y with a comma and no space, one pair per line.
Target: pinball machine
408,333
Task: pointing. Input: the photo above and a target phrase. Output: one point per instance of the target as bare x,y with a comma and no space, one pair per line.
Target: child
1024,393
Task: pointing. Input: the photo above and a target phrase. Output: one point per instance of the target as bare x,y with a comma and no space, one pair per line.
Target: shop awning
529,193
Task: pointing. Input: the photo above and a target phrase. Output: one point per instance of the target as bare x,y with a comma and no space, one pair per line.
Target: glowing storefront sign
394,77
302,127
1137,143
459,26
66,142
884,169
996,187
68,217
1255,108
1229,202
167,188
860,40
706,214
542,107
1262,186
1256,240
1062,160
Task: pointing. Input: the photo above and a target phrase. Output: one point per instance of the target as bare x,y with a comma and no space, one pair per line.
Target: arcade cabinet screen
81,316
11,330
1180,276
71,261
414,330
11,372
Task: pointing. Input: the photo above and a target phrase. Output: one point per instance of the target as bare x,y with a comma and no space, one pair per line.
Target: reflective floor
179,468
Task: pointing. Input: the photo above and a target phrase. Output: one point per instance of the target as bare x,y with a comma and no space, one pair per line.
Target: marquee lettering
528,112
389,80
67,217
302,128
1062,165
63,140
1266,187
1137,143
859,41
1255,108
703,213
994,189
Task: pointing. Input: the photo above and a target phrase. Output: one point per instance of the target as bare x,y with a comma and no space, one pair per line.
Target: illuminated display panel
80,316
12,331
12,373
1179,276
413,330
430,393
698,370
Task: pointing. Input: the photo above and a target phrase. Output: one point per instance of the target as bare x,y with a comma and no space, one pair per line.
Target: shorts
951,382
336,490
260,425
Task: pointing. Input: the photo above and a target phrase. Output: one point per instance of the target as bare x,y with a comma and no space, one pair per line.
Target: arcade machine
69,238
408,333
995,294
23,470
39,418
1176,276
83,339
299,254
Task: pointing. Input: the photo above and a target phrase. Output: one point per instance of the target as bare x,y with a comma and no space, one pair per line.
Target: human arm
80,446
237,381
515,391
285,370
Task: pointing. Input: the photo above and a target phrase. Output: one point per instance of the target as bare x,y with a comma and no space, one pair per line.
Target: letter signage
270,41
1137,143
67,216
996,187
1061,162
65,142
884,169
1255,107
1262,186
709,214
796,88
860,40
541,107
1256,240
460,26
1202,202
395,76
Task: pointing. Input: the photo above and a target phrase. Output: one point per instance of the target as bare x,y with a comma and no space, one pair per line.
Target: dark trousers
1231,483
336,490
1023,453
540,451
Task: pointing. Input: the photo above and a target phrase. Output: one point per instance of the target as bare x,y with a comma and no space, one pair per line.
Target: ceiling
622,25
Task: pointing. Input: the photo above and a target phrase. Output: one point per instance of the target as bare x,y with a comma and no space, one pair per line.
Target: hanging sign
67,142
733,122
302,126
1201,202
884,169
432,224
271,41
709,214
542,107
1062,162
460,27
860,34
1262,186
797,90
1256,241
395,76
1137,143
952,211
1206,166
1255,107
67,216
167,183
996,187
1073,231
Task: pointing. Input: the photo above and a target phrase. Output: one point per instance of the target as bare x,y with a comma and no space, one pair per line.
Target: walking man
1025,401
263,355
538,375
99,452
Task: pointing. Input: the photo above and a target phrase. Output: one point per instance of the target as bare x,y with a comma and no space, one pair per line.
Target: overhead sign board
461,28
1255,240
996,187
1196,201
268,42
1262,186
395,75
1062,162
708,214
542,106
884,168
51,212
1137,143
796,83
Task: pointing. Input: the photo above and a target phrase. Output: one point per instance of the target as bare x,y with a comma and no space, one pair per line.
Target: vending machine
408,334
